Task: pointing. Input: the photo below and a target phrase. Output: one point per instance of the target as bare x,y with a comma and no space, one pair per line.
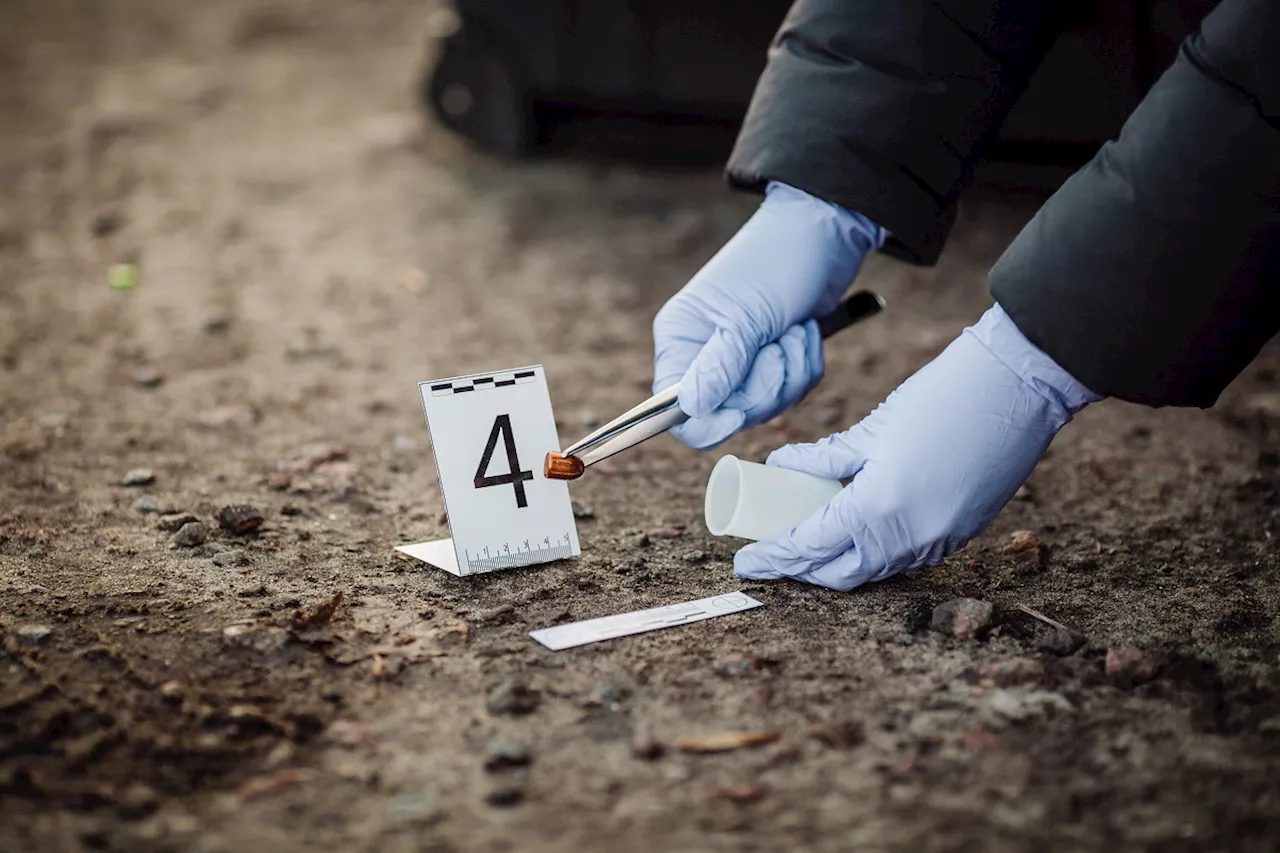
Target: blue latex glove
931,466
739,337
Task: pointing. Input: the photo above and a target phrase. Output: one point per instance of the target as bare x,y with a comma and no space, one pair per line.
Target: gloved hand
931,466
739,337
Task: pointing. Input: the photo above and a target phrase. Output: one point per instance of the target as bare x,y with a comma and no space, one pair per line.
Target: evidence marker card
608,627
489,434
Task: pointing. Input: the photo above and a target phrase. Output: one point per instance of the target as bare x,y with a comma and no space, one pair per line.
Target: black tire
475,92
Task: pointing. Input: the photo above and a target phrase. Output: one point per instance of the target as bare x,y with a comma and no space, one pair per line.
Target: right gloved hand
740,337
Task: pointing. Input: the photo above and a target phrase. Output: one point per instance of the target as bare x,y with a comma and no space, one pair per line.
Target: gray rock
607,694
139,477
34,635
694,556
962,618
414,808
514,698
191,534
582,511
505,795
146,504
1017,706
1063,641
502,754
147,377
226,559
175,521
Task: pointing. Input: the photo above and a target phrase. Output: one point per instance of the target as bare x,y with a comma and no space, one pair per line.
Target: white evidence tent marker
489,434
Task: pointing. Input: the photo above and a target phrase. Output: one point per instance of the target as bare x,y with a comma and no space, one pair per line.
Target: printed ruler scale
489,434
523,555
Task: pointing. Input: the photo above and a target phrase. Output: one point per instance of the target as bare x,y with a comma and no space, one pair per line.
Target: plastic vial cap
754,501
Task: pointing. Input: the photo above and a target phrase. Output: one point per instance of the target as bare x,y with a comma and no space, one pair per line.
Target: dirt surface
310,248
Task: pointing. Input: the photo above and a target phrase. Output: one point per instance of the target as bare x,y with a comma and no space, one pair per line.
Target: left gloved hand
931,466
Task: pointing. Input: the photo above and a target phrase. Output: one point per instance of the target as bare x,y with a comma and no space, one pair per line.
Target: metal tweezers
662,411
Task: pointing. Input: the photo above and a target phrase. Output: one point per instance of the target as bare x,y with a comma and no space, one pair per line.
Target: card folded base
438,553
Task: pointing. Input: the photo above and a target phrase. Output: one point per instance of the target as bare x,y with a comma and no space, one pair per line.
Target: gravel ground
309,249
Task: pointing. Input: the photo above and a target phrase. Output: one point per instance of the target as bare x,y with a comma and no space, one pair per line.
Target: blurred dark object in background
669,80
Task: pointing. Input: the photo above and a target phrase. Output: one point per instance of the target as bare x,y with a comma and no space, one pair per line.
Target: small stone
694,556
1024,493
582,511
171,690
504,795
607,694
741,794
963,618
414,808
502,754
405,444
175,520
34,635
1011,671
137,801
642,541
240,520
191,534
1016,705
278,481
1023,541
226,559
147,377
290,510
139,477
1063,641
1131,664
513,697
845,735
646,748
311,456
665,533
501,613
106,222
147,504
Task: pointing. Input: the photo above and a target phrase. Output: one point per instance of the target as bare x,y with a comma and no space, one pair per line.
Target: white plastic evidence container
754,501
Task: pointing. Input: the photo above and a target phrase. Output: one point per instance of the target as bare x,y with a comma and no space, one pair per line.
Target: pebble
311,456
278,481
501,613
1024,540
694,556
291,510
1016,706
414,808
607,694
34,635
226,559
844,735
512,697
147,377
646,748
1011,671
664,533
1063,641
963,618
1131,664
504,795
582,511
742,794
147,504
139,477
171,690
175,520
240,520
191,534
502,754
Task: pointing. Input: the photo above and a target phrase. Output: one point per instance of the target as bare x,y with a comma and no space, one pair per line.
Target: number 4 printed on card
481,426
